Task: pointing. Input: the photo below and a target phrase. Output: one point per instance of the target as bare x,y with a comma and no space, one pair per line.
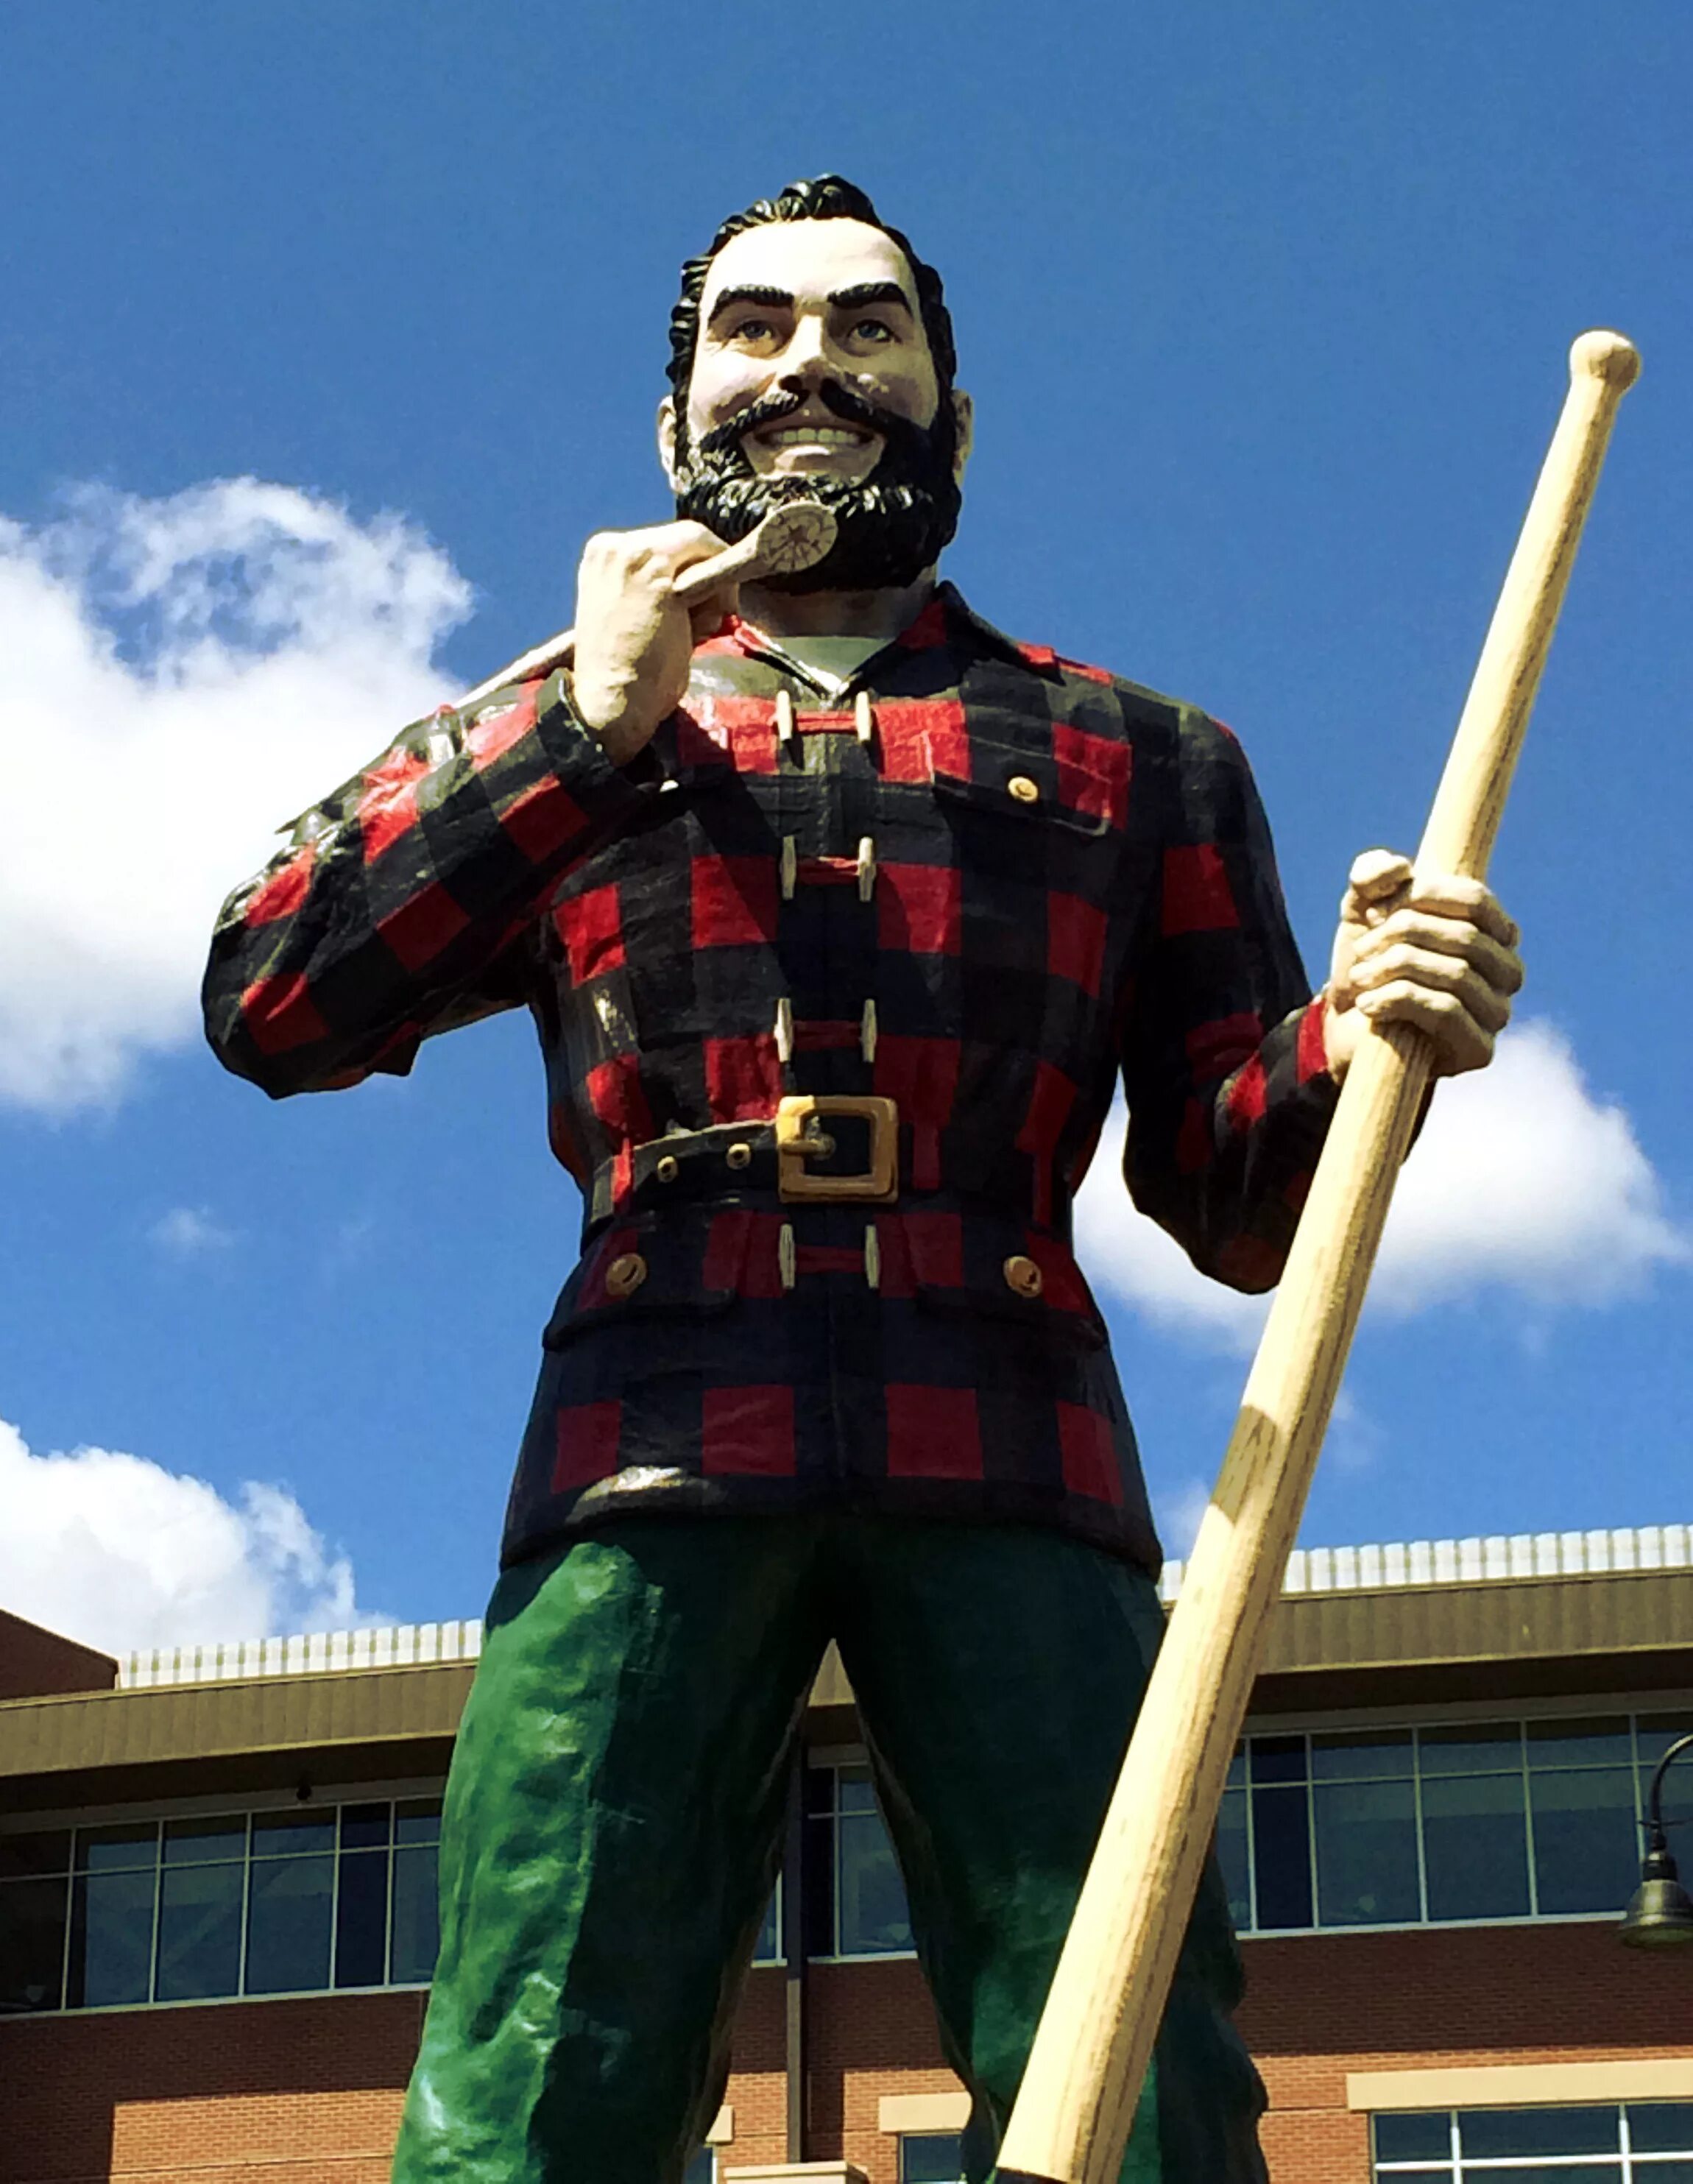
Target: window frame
156,1813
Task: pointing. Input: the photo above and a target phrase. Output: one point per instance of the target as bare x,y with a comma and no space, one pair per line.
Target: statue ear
964,425
667,437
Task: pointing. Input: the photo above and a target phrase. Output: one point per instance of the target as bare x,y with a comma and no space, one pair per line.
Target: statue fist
633,637
1435,951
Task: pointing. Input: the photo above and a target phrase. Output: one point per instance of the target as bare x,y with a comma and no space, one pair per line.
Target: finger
1459,1041
1501,966
1451,895
1378,872
1444,974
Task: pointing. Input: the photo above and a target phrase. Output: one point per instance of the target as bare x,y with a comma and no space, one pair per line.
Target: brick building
217,1896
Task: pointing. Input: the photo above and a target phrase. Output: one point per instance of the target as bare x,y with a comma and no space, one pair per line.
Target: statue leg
998,1670
609,1842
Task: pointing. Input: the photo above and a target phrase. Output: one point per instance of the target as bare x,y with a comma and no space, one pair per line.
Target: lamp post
1660,1912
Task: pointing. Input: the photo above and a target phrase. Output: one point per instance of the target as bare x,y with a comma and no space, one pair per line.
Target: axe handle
1073,2114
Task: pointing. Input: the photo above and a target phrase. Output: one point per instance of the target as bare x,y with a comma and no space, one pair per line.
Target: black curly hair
824,197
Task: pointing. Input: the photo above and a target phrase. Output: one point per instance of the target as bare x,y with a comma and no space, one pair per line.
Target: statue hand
633,639
1436,951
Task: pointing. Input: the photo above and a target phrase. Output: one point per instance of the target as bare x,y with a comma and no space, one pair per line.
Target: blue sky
1265,309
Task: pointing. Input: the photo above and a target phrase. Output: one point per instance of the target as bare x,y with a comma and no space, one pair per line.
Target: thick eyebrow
871,292
774,299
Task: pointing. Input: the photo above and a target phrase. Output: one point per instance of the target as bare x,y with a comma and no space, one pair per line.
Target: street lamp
1660,1911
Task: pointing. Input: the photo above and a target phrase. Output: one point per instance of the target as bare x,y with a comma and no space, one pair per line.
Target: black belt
832,1149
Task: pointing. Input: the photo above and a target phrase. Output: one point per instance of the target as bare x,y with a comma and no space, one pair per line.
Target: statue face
812,379
789,307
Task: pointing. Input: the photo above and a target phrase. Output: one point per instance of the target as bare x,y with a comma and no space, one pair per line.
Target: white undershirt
839,658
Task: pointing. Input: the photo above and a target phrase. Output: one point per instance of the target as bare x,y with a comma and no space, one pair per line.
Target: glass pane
291,1834
1606,1742
1661,2126
1278,1759
931,2157
857,1791
1366,1853
817,1912
767,1948
25,1855
1664,2172
361,1918
288,1926
702,2169
32,1943
111,1939
1237,1767
417,1930
1481,1747
199,1932
192,1843
109,1850
1281,1833
1231,1855
1488,2133
366,1827
1475,1846
1657,1733
1586,1844
1414,2138
418,1820
872,1896
1367,1756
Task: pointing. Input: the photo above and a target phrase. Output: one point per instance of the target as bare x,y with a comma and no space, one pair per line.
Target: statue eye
873,329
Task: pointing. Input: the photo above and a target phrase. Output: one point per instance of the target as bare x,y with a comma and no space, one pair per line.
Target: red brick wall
308,2092
1319,2006
303,2091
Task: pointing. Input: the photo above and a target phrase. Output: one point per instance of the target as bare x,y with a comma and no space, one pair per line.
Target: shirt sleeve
392,912
1229,1095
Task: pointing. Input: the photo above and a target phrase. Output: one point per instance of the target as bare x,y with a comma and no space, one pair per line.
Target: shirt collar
944,619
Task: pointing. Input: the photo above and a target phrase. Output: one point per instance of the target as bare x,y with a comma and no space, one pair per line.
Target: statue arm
392,912
1229,1095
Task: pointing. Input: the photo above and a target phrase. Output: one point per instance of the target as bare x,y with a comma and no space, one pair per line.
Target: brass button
1023,1276
739,1156
1024,790
626,1274
668,1169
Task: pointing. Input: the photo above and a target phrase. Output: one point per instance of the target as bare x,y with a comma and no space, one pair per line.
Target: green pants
615,1808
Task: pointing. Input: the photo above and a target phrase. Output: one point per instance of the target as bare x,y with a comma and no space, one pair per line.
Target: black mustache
900,432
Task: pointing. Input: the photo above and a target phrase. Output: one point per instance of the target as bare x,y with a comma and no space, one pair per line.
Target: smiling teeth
813,435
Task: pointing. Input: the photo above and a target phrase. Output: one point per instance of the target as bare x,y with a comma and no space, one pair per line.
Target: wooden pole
1076,2107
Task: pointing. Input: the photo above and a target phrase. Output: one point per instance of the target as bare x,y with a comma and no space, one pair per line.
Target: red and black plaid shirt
1030,876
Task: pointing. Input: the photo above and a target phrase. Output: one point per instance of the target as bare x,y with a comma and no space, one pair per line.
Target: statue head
811,357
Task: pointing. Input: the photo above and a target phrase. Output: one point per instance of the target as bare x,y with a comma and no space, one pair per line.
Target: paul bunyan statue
839,914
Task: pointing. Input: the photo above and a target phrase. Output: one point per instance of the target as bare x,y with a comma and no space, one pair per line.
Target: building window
291,1902
767,1949
857,1905
1639,2142
931,2157
1448,1824
703,2169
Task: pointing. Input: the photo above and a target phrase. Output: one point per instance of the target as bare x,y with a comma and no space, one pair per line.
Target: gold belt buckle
879,1183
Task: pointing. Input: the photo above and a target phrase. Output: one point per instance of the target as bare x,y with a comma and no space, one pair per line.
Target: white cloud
181,675
1522,1180
188,1231
122,1554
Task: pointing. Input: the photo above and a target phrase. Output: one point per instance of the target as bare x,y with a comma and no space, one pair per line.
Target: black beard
891,528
